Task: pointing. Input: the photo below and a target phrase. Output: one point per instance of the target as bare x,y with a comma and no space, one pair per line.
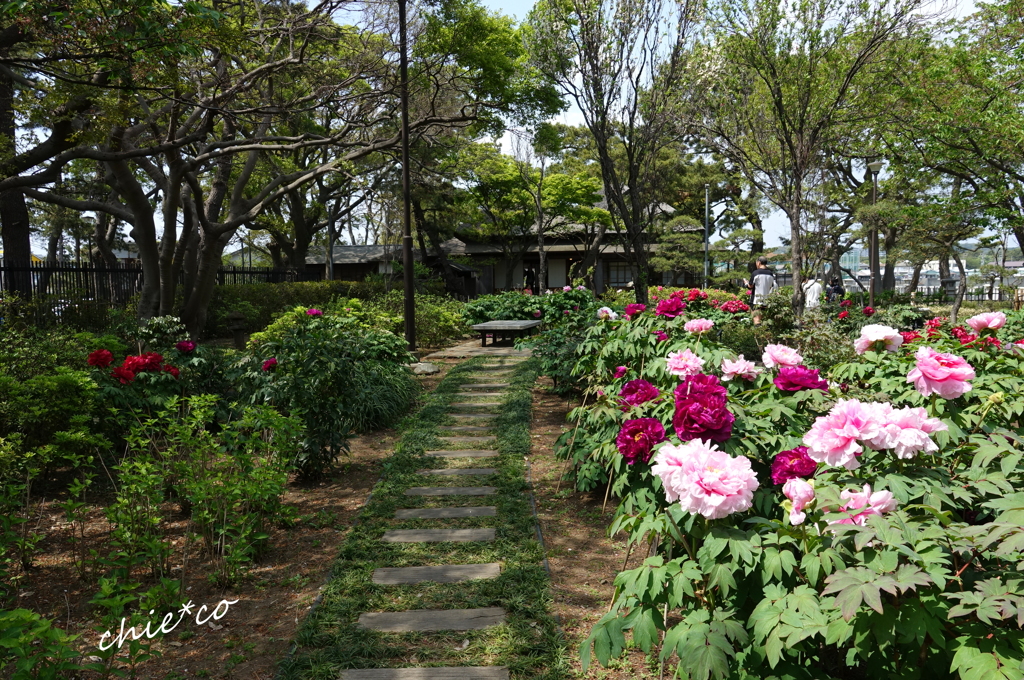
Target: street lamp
873,167
407,263
707,236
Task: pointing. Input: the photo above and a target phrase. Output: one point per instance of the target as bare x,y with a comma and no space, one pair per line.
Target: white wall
556,273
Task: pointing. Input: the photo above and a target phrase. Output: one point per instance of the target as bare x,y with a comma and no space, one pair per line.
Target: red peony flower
671,308
796,378
868,311
792,464
270,364
637,439
696,294
150,361
910,336
735,307
185,346
172,370
636,392
700,410
846,303
843,314
123,374
101,358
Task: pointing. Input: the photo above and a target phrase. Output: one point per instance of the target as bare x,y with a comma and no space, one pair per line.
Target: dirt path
583,560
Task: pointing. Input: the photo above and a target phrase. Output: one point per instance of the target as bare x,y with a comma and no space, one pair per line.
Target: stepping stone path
424,620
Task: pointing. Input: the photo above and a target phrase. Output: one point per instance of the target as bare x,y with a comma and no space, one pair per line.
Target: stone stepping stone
458,471
481,404
479,394
443,673
446,513
485,386
489,416
468,440
451,491
465,453
449,573
422,620
464,428
437,535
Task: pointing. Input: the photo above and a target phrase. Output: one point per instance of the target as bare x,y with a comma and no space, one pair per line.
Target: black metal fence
116,284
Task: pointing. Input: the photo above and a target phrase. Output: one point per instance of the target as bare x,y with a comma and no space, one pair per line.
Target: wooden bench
507,330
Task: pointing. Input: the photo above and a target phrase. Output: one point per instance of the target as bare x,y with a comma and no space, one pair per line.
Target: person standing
761,284
531,280
835,290
812,294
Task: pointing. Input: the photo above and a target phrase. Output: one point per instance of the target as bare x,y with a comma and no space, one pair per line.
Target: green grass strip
528,643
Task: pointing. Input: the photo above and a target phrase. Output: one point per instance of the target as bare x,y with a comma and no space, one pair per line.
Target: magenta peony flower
704,479
701,411
735,307
800,493
619,372
101,358
638,437
314,312
684,363
670,307
661,335
185,346
741,368
987,320
796,378
836,438
792,464
780,355
636,392
634,309
537,313
906,431
270,363
940,373
862,504
877,337
698,325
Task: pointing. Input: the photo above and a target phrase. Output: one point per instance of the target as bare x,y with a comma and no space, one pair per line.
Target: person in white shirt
812,293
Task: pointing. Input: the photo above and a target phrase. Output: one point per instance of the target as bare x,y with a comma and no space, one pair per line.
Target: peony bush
860,522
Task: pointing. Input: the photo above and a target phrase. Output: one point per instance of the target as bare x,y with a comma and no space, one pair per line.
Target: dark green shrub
438,318
383,392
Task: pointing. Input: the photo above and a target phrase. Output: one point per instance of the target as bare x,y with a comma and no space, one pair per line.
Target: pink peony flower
862,504
619,372
796,378
684,363
634,309
800,493
566,289
314,312
607,313
638,437
705,480
581,287
877,337
269,364
792,464
700,410
836,438
780,355
698,325
741,368
940,373
906,431
185,346
670,307
661,335
636,392
987,320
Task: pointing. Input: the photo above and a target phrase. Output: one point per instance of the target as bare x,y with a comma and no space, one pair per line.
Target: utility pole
873,167
407,262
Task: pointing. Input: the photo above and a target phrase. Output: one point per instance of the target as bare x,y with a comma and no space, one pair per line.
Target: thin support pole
707,234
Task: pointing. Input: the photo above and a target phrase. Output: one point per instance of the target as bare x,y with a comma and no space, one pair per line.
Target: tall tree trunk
13,211
915,278
52,243
797,250
889,277
961,289
210,251
168,241
590,256
143,233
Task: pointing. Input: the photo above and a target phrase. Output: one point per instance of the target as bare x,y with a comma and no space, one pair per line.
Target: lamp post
707,236
407,263
873,167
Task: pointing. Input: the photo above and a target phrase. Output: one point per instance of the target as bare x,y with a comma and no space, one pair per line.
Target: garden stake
664,624
607,491
572,443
